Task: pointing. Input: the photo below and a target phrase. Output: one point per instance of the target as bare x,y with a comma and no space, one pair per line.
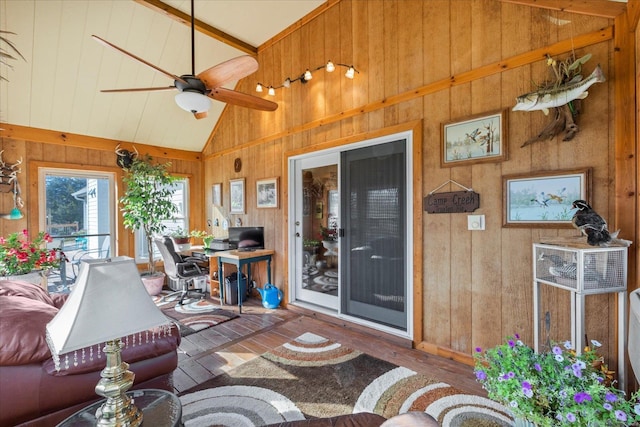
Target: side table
240,259
159,408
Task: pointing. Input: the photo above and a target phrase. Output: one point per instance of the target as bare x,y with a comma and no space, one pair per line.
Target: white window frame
180,220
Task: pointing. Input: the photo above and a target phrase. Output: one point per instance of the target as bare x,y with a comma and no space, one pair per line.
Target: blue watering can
271,296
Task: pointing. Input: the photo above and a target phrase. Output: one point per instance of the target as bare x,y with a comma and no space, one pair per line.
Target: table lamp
107,302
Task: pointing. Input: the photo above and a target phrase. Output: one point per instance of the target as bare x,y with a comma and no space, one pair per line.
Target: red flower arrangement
19,255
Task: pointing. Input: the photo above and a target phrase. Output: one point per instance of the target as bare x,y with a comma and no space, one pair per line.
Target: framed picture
267,193
475,139
216,194
236,193
544,199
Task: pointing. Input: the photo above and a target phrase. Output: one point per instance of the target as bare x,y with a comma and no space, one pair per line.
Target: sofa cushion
21,288
22,330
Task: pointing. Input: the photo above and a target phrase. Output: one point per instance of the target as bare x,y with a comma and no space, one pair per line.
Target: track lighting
308,75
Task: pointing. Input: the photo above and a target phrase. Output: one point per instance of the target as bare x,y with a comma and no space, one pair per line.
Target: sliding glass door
317,222
351,241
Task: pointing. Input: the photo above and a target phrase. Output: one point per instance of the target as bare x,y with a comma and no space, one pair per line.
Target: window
77,209
180,220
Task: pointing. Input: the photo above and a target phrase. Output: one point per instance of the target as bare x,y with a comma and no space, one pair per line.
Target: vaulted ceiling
57,86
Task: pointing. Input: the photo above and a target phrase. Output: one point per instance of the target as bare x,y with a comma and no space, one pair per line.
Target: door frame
413,132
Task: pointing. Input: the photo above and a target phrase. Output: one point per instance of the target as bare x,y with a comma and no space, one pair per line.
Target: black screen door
373,233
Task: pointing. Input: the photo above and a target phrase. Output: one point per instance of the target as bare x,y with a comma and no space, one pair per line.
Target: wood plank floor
211,352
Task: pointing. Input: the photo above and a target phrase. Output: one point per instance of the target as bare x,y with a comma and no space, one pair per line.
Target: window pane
180,220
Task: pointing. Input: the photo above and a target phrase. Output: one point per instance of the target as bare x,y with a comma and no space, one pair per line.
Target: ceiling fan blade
139,89
200,115
131,55
242,99
233,69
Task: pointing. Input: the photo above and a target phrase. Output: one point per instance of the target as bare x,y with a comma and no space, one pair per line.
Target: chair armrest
188,269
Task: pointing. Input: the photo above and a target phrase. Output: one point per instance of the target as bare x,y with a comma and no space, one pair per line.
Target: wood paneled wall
427,63
438,61
47,148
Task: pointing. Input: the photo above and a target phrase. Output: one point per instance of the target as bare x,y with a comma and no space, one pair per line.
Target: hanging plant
7,55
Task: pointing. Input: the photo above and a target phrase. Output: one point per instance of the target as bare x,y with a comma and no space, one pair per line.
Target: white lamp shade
108,301
193,102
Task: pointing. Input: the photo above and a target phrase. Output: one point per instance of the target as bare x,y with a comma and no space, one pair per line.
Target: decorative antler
125,157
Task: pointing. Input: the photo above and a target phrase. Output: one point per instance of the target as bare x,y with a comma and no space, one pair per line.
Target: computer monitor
246,238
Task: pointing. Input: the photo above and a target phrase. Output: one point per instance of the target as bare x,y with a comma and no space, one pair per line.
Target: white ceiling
58,86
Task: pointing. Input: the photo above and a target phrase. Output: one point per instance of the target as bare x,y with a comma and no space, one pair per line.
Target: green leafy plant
147,200
19,255
206,237
6,55
557,387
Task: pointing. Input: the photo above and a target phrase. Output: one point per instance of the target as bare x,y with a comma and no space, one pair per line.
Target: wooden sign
455,201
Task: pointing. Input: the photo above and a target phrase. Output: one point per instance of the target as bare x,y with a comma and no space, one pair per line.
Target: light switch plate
475,222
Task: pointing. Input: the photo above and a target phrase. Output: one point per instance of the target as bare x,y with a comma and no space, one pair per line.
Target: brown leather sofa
32,391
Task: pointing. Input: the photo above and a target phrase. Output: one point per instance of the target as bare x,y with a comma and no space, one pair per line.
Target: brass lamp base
119,409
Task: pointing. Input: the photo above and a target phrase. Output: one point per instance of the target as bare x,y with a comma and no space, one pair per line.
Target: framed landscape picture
544,199
475,139
236,194
267,193
216,194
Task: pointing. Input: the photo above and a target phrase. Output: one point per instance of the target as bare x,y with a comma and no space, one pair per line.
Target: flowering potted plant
553,388
19,255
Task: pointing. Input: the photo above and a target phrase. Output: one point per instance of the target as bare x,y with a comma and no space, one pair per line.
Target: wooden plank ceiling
58,86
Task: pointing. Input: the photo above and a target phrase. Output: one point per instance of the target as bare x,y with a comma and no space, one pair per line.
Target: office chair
181,269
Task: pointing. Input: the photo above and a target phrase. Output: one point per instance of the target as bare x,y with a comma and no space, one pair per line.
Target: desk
240,259
159,408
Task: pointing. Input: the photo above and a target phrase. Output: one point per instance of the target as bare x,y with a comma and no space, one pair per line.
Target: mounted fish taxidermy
563,95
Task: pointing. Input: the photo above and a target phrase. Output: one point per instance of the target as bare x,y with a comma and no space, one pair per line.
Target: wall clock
237,164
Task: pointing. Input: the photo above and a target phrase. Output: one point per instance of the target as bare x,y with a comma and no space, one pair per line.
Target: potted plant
29,260
558,387
207,238
181,239
146,204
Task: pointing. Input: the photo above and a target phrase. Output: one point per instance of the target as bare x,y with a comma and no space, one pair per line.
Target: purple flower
556,350
558,357
537,367
526,384
517,336
581,397
567,345
478,349
571,418
621,415
636,409
607,406
511,374
512,344
577,372
527,392
610,397
481,375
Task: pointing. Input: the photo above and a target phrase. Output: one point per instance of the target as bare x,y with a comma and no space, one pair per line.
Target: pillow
22,330
24,289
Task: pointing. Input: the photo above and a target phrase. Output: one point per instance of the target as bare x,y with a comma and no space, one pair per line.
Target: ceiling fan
194,90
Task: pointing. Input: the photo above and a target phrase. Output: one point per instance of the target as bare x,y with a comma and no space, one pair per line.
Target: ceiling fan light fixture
193,102
259,87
